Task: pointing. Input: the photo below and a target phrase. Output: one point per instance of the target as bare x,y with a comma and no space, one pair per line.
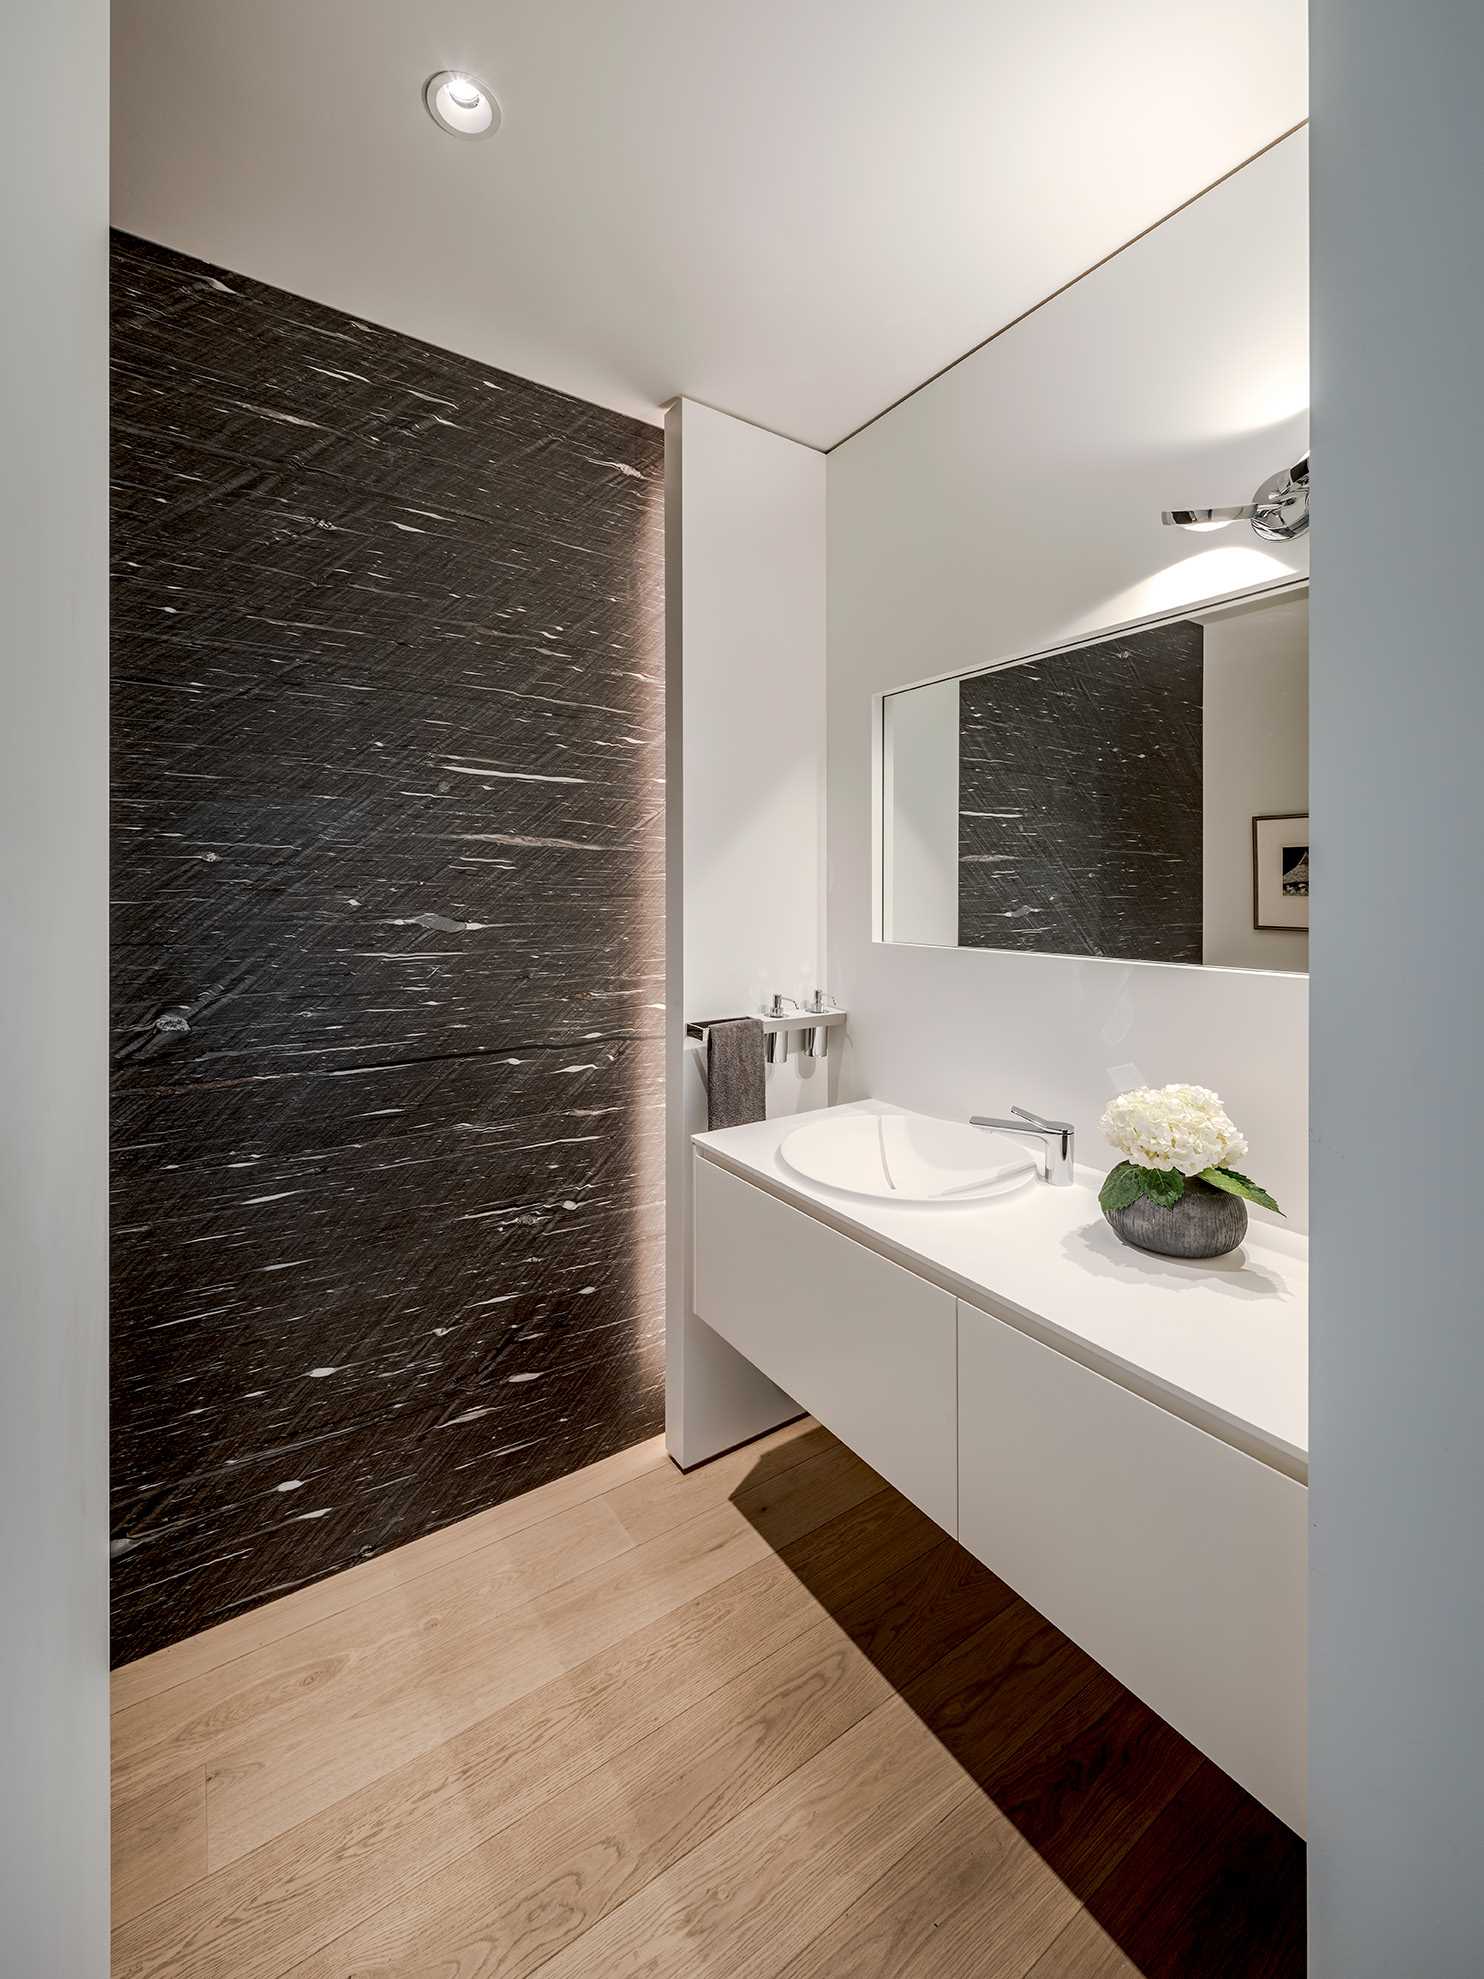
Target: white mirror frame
880,763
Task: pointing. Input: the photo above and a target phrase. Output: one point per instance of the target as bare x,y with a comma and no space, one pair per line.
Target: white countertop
1222,1343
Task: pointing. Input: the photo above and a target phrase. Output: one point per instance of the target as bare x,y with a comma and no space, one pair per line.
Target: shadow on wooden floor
1179,1871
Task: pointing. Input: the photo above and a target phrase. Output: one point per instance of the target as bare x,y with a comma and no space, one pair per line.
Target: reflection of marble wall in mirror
1098,801
1080,801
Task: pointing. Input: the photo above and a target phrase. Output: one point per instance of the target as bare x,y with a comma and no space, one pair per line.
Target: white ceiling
794,210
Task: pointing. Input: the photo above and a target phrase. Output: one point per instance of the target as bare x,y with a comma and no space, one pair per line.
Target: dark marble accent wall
1080,802
387,940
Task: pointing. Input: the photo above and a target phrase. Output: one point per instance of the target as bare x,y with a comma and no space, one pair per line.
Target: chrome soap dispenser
819,1034
776,1042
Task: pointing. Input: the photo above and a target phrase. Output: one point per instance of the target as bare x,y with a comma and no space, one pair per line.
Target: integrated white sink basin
906,1158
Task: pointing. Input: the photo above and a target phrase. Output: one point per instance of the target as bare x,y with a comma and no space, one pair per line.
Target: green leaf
1123,1187
1164,1186
1127,1182
1238,1185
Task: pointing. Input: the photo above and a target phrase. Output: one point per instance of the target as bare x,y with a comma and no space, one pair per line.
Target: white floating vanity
1122,1438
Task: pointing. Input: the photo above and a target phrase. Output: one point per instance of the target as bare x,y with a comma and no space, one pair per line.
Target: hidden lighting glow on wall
1198,579
461,104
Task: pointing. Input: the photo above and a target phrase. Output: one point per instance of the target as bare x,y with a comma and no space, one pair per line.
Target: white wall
1014,504
1254,764
919,814
1397,695
53,941
745,608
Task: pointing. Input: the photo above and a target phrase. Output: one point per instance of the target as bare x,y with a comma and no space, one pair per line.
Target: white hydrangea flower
1184,1127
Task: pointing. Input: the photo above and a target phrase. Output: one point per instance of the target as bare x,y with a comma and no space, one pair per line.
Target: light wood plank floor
762,1720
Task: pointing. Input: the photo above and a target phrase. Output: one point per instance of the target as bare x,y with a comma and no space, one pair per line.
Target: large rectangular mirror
1142,796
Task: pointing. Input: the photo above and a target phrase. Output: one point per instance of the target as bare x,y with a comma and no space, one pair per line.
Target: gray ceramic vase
1206,1222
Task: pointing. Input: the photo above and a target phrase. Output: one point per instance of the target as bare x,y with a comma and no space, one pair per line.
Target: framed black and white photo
1280,872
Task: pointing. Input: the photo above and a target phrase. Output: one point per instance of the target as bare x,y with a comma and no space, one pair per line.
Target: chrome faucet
1057,1137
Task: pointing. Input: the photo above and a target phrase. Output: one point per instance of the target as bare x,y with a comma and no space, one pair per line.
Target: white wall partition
1397,1744
53,1060
1012,505
745,694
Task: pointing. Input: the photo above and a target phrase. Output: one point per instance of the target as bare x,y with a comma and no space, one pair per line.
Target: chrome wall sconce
1278,512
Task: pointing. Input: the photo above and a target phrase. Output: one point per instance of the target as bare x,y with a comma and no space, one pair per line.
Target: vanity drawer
1175,1560
860,1343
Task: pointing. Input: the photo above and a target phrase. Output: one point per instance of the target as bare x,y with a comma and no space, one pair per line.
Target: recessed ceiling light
461,104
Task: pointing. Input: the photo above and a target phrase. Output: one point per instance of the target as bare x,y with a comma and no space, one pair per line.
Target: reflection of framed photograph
1280,872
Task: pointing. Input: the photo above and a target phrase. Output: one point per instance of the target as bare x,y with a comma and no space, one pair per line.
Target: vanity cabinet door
1173,1559
860,1343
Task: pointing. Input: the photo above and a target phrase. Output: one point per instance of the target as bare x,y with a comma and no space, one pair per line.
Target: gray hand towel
736,1084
